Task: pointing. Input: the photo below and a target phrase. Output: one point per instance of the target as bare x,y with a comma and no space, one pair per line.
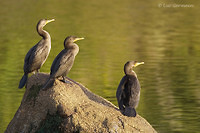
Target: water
167,39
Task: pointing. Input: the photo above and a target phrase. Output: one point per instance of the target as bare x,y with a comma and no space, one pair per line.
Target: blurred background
159,32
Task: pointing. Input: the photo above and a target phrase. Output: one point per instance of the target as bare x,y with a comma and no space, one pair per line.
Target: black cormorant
128,91
38,54
64,60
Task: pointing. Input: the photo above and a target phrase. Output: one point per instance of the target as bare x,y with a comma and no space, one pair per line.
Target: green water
167,39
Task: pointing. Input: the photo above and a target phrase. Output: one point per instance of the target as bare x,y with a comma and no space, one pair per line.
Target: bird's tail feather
48,84
130,112
23,81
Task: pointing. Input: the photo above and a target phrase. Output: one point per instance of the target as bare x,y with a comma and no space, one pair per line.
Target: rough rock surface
70,108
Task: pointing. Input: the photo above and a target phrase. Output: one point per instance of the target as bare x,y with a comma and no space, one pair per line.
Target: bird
128,91
64,61
38,54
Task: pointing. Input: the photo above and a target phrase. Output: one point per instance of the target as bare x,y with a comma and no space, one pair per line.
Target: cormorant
63,61
128,91
38,54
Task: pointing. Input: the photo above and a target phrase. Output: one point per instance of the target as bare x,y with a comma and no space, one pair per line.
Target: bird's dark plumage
128,91
38,54
64,61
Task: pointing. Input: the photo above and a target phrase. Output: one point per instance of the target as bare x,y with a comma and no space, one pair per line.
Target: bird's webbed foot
65,81
130,112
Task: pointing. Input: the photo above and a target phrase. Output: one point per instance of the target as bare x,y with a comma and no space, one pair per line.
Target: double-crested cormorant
64,60
128,91
38,54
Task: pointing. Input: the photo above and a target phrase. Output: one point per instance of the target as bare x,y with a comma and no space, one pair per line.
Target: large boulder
70,107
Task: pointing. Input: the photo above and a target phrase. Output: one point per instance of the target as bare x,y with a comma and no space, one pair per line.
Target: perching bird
128,91
38,54
63,61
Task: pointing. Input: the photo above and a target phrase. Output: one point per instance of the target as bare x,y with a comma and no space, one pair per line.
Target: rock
70,108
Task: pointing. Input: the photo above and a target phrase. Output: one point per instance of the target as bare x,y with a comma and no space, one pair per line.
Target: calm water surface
167,39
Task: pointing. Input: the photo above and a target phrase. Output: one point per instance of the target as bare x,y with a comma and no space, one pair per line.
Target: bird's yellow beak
51,20
81,38
138,63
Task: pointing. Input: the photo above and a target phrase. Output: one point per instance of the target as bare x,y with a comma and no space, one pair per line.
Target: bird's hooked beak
51,20
76,39
138,63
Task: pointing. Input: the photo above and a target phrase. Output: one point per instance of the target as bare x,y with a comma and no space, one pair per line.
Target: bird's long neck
72,46
43,33
130,72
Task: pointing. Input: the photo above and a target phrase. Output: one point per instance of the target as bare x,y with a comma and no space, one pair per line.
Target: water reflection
167,39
